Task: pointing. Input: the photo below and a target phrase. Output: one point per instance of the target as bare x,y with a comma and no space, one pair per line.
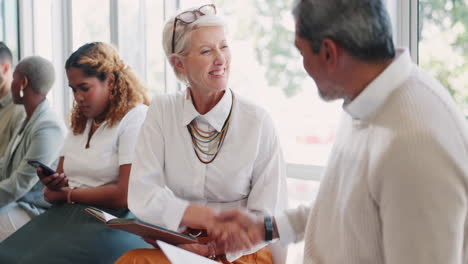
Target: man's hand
237,230
198,217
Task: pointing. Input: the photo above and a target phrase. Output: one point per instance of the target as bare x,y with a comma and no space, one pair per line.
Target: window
442,46
43,42
43,19
90,22
131,35
137,27
9,26
155,72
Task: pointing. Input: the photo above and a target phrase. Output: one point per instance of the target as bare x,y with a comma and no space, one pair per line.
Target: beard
331,92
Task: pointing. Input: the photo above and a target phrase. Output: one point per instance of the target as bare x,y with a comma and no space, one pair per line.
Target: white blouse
109,148
166,176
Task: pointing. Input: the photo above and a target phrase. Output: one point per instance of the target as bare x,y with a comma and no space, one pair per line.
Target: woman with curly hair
109,109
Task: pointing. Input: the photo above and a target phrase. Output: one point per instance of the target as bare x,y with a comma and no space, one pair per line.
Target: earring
21,93
112,94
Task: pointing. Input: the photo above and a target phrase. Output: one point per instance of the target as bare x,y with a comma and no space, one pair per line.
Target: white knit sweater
395,188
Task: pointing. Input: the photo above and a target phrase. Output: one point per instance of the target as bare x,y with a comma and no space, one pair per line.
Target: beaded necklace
201,139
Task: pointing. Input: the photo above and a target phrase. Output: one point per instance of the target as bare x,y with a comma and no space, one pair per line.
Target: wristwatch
268,223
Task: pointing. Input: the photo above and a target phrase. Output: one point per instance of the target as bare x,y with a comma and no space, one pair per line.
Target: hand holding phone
46,171
48,176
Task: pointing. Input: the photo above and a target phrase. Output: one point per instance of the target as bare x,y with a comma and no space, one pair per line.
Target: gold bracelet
212,250
69,193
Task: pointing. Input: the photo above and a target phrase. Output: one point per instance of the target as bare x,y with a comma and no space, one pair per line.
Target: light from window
9,26
131,32
43,24
155,72
443,49
90,21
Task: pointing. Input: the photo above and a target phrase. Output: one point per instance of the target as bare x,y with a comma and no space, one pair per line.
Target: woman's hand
56,196
231,231
53,182
231,237
151,242
237,230
198,217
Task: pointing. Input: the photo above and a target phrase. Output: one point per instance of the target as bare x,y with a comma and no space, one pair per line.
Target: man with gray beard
395,187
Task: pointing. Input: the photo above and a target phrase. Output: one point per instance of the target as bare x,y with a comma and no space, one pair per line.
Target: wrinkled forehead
207,35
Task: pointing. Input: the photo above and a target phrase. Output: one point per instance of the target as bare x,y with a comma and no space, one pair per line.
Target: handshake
236,231
233,231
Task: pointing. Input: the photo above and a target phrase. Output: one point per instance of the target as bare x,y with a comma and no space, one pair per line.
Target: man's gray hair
39,71
361,27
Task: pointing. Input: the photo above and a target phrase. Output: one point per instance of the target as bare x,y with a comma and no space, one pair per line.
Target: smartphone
46,171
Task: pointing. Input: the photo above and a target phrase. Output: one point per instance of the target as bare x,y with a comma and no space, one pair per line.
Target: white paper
104,216
180,256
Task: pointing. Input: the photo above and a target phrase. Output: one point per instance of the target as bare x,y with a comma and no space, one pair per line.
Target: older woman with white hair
40,137
205,149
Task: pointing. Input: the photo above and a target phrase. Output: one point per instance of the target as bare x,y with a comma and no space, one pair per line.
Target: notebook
141,228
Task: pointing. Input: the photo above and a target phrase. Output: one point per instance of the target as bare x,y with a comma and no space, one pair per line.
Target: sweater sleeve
291,225
418,185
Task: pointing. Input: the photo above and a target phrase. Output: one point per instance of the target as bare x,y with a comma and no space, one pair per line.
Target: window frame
10,27
404,15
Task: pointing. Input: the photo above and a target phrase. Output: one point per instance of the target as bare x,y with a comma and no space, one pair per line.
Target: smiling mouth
218,72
